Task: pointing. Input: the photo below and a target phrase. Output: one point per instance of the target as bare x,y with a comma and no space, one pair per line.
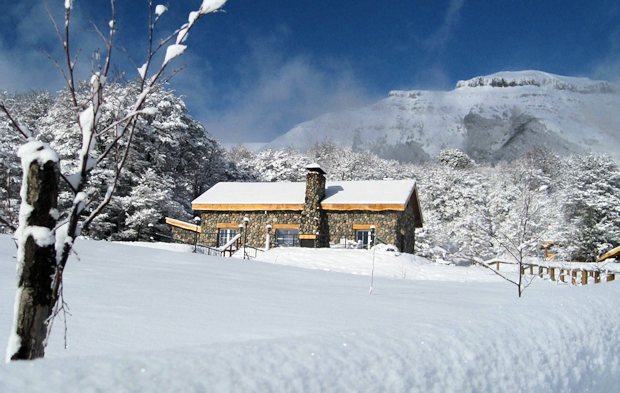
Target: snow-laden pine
173,159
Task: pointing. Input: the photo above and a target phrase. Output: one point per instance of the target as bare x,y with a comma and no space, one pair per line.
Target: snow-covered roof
368,192
345,195
234,193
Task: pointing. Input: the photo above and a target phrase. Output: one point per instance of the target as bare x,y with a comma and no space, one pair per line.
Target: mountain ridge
493,117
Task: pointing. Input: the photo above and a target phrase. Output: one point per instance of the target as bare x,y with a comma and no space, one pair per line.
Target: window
362,237
225,235
287,237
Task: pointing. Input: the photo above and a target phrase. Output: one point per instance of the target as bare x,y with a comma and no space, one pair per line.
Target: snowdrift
146,320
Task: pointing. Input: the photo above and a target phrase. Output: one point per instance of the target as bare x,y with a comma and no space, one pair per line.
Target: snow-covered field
151,320
386,264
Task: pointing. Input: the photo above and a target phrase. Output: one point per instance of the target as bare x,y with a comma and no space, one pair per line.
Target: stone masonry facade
342,224
184,235
393,227
256,227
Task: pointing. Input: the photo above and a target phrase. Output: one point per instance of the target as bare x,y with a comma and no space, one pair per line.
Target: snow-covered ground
149,320
386,264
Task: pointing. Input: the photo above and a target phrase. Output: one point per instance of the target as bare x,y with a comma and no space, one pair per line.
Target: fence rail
574,273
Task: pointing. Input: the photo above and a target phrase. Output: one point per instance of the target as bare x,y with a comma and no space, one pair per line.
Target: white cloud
433,77
609,67
29,39
266,94
272,93
438,40
23,63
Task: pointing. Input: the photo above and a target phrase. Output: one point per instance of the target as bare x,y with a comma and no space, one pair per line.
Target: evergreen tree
591,207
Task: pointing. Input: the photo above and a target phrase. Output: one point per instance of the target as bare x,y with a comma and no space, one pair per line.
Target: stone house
311,214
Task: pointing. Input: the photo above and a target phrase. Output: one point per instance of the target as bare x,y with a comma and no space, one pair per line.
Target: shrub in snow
455,159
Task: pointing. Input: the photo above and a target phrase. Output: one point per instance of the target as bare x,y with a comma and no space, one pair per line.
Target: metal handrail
254,250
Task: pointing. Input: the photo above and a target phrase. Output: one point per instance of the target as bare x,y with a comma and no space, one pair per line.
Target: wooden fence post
584,277
551,271
597,277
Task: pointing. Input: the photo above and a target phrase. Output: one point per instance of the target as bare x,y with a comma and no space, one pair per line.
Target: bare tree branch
483,264
8,223
14,123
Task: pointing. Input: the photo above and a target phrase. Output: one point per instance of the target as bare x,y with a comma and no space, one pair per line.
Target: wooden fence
574,273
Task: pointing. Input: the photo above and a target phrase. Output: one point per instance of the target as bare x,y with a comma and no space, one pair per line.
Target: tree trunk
35,300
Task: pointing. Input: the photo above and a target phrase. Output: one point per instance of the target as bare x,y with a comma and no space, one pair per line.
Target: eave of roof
247,206
298,207
610,254
376,207
182,224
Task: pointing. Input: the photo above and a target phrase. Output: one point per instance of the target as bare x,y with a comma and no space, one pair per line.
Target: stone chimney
313,219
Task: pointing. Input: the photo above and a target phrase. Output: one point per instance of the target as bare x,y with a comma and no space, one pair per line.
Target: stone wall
256,226
341,224
183,235
393,227
406,229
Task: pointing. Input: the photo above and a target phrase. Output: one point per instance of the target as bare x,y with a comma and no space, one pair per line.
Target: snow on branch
160,9
25,132
173,51
211,6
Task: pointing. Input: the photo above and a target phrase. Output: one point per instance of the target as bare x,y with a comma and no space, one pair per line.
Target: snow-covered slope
490,117
146,320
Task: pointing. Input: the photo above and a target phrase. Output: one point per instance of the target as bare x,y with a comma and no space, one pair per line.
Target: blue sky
253,72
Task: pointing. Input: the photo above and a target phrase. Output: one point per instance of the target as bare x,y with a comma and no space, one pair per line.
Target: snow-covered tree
46,233
272,165
145,206
520,224
168,141
455,159
344,163
452,199
591,204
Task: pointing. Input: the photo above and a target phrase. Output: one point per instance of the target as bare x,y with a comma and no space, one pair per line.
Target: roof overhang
610,254
247,207
377,207
182,224
373,207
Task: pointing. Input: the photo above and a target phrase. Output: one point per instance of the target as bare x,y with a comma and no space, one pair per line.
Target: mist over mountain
492,118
